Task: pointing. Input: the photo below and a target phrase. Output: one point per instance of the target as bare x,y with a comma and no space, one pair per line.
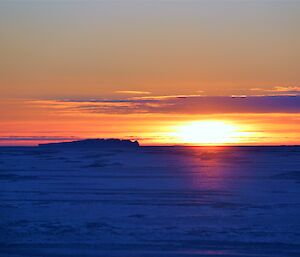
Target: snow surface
151,201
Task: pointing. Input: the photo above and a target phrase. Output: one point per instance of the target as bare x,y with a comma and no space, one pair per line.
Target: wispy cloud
163,97
181,105
37,138
286,89
132,92
279,90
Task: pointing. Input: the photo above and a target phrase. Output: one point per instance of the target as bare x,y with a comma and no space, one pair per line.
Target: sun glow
209,132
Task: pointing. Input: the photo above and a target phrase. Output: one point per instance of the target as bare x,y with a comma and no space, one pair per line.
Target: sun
208,132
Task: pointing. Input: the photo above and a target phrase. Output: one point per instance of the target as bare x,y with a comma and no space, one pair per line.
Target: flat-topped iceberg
95,143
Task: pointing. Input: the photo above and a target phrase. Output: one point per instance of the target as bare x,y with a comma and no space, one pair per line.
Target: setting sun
209,132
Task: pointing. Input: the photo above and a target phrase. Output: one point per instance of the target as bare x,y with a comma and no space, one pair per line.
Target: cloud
182,105
280,90
163,97
132,92
36,138
285,89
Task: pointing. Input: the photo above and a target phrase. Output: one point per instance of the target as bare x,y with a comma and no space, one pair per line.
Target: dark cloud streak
192,105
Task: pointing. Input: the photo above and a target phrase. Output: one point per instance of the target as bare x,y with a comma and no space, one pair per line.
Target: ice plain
150,201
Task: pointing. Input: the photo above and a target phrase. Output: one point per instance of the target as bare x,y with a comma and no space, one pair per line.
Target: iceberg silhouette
95,143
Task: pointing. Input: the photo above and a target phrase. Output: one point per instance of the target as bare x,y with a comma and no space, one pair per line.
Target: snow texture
150,201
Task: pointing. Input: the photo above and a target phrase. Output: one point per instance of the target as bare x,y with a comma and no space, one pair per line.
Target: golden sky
147,69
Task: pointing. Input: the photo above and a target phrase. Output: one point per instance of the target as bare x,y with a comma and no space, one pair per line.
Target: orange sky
92,48
31,122
140,60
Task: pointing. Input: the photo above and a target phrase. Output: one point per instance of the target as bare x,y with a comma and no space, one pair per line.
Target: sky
145,69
